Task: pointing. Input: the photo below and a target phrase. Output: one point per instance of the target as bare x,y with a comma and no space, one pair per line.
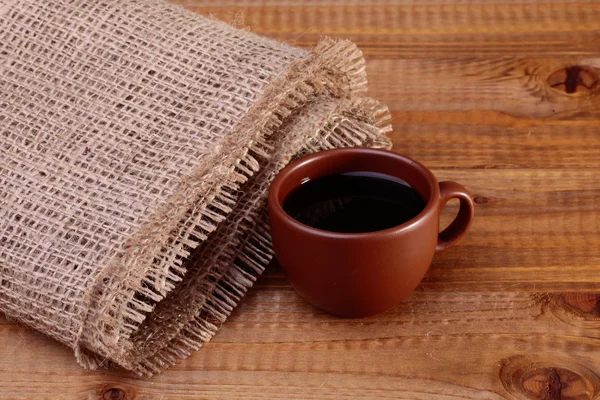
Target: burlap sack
138,141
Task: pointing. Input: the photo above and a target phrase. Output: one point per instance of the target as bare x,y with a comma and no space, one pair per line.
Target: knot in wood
585,304
553,383
481,200
575,80
545,380
114,394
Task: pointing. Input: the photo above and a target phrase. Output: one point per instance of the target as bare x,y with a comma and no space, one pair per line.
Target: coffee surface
354,202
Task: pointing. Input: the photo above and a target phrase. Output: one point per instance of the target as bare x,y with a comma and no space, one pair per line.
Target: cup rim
276,206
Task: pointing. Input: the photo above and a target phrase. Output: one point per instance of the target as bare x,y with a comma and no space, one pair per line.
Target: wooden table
500,97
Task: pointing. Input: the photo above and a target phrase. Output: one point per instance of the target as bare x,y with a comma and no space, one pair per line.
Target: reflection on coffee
354,202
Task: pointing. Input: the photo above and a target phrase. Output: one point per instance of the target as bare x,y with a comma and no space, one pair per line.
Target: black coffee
354,202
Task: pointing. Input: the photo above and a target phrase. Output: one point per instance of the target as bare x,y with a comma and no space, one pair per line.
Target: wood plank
447,145
387,29
334,3
278,347
515,86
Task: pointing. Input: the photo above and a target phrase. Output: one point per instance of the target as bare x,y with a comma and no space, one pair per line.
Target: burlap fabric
138,141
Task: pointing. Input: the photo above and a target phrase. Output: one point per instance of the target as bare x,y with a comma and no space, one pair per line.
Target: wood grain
433,346
502,96
400,29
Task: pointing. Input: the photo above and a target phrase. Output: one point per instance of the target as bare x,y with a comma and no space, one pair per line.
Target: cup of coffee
356,229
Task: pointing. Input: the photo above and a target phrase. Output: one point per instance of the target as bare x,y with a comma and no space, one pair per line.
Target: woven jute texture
138,142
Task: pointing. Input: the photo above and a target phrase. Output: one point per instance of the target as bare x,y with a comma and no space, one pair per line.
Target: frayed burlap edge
241,258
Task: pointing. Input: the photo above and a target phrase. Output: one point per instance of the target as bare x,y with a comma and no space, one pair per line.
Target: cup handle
458,227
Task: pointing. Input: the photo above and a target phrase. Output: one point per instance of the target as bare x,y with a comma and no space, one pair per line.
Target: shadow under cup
362,274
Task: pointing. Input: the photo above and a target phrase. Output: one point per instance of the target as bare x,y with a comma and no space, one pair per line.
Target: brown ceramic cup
362,274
